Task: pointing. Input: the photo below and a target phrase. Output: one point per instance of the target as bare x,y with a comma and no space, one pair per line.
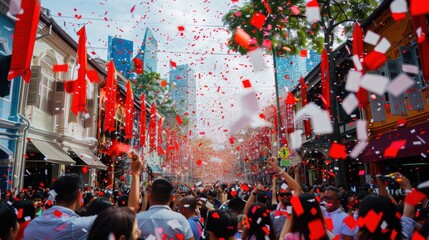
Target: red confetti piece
242,38
303,53
20,213
297,206
179,120
93,76
173,64
415,197
295,10
61,68
329,224
133,8
361,172
57,213
244,187
258,20
215,215
417,236
199,162
402,122
374,60
394,148
419,7
317,229
138,65
372,220
399,16
337,151
163,83
85,169
350,222
180,236
181,28
246,83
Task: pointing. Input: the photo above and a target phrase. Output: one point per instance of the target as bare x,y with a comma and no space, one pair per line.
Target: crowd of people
284,209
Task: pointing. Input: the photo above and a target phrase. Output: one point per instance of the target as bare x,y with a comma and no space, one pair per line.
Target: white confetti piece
357,62
374,83
409,68
295,139
371,38
257,59
350,103
400,84
284,186
399,6
353,79
322,123
383,46
361,130
358,149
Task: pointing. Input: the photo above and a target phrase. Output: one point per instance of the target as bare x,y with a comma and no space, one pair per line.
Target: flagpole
276,84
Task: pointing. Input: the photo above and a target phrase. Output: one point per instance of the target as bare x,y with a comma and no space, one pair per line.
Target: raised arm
134,195
252,197
274,191
294,185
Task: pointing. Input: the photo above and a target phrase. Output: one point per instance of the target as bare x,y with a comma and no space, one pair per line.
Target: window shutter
397,104
59,96
33,88
414,94
90,107
377,108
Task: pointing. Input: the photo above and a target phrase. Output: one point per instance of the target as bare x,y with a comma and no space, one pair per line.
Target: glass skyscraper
148,52
120,51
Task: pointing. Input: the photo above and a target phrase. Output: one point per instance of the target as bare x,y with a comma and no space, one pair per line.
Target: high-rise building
120,51
148,52
291,68
183,91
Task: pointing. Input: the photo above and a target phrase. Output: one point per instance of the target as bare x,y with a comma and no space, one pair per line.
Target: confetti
61,68
337,151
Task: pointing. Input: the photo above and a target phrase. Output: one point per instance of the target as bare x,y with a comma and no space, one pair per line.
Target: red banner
304,101
142,120
290,102
152,128
129,112
110,98
358,49
325,80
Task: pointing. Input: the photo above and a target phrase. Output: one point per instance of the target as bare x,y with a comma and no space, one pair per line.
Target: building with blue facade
290,69
120,51
148,52
10,121
183,90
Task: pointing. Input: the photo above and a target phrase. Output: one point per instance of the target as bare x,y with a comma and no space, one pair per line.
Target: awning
5,153
53,152
417,143
89,158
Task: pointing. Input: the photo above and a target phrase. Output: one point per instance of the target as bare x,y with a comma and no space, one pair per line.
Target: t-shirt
59,222
160,222
196,226
337,217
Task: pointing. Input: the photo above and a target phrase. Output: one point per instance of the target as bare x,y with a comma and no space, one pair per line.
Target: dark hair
97,206
335,190
87,199
37,194
262,197
300,223
67,187
259,217
221,223
161,191
115,220
28,209
123,201
7,219
191,201
383,205
236,205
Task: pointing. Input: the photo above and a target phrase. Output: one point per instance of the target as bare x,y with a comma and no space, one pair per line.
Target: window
397,104
46,89
410,55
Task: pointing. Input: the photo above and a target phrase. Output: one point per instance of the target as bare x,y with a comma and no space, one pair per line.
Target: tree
288,29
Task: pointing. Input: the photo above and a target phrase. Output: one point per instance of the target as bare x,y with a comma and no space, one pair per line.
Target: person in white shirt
334,212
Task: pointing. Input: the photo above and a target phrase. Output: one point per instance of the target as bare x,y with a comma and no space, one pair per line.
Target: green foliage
290,33
149,84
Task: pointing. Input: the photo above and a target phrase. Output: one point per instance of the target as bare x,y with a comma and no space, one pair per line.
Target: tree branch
338,23
341,9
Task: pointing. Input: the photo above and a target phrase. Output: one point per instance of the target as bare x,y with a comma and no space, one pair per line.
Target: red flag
79,86
307,126
358,49
129,112
325,80
110,100
160,148
152,127
24,39
142,121
290,102
138,65
423,43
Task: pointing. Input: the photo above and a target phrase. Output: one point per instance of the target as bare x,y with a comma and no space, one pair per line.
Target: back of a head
190,202
300,223
379,204
115,220
97,206
161,191
236,205
67,188
221,223
259,217
7,220
28,209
